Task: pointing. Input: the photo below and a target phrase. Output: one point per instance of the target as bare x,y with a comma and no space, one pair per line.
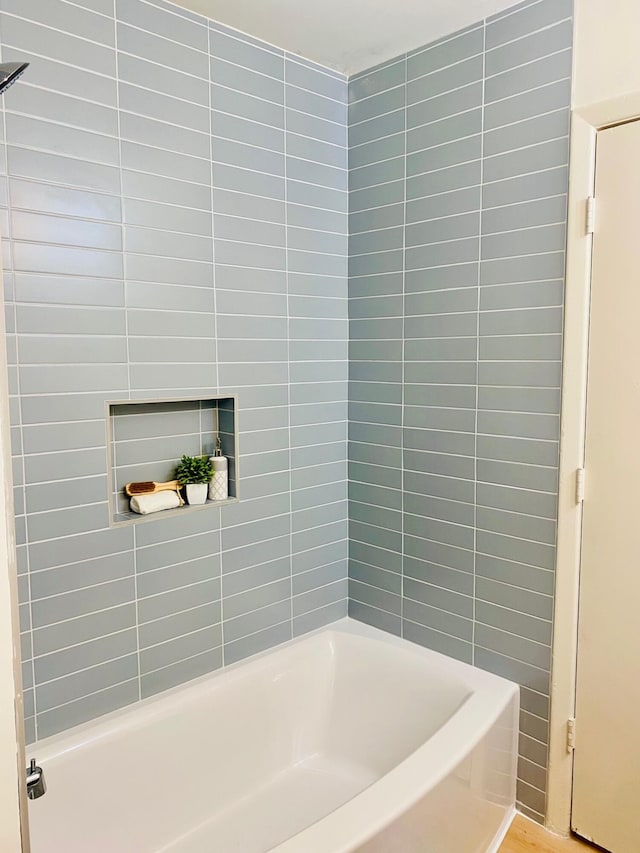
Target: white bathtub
346,739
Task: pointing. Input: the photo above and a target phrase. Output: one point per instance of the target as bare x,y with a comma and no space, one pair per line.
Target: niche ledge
146,438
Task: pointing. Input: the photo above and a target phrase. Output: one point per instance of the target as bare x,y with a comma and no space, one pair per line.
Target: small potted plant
194,472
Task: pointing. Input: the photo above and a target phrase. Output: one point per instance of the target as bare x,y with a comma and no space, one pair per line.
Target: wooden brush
150,488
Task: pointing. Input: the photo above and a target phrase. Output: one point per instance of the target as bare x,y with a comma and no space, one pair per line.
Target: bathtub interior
380,711
244,760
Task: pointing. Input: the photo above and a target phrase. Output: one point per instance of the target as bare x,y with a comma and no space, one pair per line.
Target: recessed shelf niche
146,438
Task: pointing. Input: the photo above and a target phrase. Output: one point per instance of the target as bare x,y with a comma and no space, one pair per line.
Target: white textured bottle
219,485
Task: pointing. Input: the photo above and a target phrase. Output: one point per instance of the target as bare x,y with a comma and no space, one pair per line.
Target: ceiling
348,35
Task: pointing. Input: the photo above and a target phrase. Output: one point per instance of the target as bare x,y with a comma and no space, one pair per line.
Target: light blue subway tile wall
377,152
458,161
174,205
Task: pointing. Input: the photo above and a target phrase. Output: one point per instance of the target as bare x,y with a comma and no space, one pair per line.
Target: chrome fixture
9,73
36,786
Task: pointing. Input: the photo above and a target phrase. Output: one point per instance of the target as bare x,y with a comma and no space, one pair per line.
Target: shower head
9,73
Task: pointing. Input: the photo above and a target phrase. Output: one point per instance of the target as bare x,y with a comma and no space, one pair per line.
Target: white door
606,793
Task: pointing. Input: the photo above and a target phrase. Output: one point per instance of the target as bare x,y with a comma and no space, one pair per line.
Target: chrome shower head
9,73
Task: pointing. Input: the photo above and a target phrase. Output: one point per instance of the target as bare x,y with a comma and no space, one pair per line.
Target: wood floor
525,836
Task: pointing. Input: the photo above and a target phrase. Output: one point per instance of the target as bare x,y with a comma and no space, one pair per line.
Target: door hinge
571,734
590,223
579,485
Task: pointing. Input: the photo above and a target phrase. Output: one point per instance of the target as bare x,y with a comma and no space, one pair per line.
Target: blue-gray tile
147,130
305,124
266,638
178,673
178,624
376,151
377,127
46,136
377,105
544,155
460,151
264,60
445,79
67,661
184,598
377,618
525,215
529,47
371,555
26,35
433,109
80,684
155,105
166,21
528,132
453,178
319,618
84,628
440,642
315,78
162,189
147,44
446,51
556,66
232,76
317,105
181,648
445,132
170,79
169,164
521,649
383,77
552,96
84,23
523,21
88,707
516,623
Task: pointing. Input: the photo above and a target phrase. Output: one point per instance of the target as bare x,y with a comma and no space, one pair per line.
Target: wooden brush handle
171,486
148,487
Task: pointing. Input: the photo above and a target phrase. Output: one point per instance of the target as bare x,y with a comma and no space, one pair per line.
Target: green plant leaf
193,469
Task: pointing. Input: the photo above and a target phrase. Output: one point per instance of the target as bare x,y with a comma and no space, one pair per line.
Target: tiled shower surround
458,158
176,224
139,132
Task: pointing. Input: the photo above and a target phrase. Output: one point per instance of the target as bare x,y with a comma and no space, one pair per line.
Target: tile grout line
348,425
403,335
137,613
288,305
220,556
122,252
116,81
477,383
